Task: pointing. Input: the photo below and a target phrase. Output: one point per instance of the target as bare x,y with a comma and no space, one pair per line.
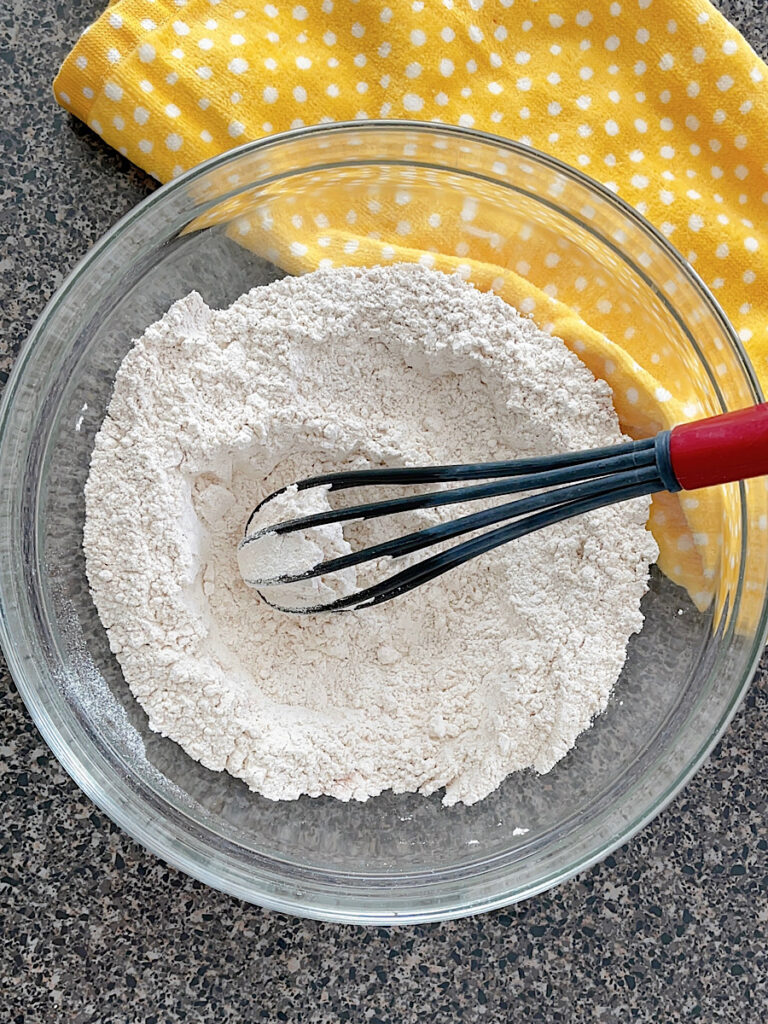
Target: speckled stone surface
672,927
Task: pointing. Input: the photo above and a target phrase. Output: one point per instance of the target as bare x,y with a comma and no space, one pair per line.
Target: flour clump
265,556
494,667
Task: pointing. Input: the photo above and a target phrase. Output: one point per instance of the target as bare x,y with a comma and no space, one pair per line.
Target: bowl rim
167,846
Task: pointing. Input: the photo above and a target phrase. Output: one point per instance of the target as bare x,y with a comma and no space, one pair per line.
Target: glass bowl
395,858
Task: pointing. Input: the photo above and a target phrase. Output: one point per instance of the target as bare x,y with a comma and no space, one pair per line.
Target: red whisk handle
733,446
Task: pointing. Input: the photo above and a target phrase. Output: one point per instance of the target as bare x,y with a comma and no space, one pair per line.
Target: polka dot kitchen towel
661,100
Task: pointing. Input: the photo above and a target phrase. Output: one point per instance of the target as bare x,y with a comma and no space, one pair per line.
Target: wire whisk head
298,555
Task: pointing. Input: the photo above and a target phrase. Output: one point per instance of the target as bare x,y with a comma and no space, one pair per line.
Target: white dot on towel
174,141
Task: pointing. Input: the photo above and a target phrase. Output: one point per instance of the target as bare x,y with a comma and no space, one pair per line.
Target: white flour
268,556
495,667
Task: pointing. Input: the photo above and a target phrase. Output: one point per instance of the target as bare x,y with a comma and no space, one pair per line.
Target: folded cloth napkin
661,100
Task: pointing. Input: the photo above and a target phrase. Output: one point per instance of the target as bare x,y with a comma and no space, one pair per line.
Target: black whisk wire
513,480
565,486
436,565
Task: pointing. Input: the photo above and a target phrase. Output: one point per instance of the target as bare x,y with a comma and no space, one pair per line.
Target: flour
264,556
495,667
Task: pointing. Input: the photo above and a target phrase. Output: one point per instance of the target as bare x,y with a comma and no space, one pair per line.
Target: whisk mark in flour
495,667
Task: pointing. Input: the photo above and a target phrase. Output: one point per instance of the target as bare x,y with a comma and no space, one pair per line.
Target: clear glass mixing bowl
395,858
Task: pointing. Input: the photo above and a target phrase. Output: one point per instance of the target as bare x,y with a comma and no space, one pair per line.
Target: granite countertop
672,927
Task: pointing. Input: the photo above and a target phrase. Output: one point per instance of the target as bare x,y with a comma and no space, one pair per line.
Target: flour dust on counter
493,668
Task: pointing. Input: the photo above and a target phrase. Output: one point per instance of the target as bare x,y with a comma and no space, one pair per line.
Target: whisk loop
733,446
567,485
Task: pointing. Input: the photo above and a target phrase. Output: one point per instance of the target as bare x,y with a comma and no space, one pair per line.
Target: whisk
717,450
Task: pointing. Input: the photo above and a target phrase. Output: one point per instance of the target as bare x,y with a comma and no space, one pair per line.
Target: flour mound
494,667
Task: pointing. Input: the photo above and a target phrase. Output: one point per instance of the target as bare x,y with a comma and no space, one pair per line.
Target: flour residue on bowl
493,668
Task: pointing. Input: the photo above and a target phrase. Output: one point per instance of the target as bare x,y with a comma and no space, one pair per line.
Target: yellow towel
662,100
